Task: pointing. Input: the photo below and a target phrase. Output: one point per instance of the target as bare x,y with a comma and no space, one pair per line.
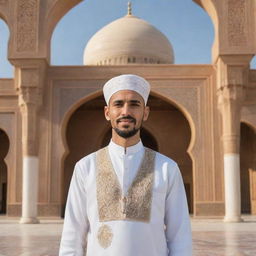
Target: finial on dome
129,8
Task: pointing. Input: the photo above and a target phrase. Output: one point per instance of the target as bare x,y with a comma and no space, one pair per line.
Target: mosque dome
128,40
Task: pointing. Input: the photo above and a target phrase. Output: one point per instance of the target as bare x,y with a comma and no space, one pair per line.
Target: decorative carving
29,77
236,75
230,104
27,21
237,34
30,99
29,95
230,93
29,86
233,78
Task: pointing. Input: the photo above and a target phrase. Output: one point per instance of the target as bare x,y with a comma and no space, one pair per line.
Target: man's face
126,112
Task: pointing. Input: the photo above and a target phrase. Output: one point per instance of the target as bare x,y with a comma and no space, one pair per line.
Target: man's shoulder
88,159
162,159
166,167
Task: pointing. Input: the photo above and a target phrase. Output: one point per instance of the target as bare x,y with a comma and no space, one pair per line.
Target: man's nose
125,110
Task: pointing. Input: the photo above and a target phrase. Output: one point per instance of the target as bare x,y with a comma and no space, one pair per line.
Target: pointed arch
181,152
68,156
4,149
68,115
249,123
76,148
56,11
187,115
210,8
248,168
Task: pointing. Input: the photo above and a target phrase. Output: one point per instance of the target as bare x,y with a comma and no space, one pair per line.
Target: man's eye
135,104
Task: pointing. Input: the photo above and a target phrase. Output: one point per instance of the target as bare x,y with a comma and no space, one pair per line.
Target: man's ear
106,112
146,113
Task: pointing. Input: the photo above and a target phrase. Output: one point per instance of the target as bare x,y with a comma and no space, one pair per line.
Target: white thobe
168,232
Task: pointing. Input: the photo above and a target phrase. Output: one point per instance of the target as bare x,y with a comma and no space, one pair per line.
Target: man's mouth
126,120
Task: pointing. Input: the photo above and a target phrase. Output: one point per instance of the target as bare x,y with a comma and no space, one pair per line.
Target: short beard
126,134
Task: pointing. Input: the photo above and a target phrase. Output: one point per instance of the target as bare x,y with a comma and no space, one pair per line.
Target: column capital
232,78
30,97
235,59
29,82
232,75
30,76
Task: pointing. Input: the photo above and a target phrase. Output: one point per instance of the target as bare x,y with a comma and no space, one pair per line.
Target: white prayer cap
126,82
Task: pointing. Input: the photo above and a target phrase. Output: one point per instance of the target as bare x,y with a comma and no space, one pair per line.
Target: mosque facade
202,116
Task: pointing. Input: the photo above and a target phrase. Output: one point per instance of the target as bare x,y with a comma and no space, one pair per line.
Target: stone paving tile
224,244
210,238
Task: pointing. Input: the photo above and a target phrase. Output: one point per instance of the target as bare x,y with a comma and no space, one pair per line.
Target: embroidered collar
113,147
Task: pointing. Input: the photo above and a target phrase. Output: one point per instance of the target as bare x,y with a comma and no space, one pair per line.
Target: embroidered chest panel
136,205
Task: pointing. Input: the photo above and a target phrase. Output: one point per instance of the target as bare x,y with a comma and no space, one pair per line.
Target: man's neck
125,142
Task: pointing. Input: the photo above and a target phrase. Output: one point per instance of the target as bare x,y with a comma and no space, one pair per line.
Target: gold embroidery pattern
136,205
105,236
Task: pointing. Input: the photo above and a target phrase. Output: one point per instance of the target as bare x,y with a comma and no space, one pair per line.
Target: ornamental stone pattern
237,34
27,30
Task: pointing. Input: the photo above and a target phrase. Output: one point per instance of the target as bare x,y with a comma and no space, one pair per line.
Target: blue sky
187,26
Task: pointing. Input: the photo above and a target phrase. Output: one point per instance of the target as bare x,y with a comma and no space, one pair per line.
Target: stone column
232,78
29,101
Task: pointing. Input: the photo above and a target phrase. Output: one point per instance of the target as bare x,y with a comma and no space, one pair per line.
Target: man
125,199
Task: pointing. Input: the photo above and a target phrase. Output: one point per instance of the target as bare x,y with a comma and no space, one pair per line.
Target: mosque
202,116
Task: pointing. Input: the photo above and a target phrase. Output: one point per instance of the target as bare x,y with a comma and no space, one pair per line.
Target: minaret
129,13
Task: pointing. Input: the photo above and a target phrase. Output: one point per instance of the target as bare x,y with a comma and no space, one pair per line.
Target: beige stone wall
71,87
36,106
196,101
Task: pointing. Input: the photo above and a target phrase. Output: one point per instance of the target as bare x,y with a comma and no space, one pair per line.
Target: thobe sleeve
75,228
178,229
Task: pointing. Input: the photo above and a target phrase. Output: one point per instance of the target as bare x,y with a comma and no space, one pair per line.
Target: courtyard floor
210,237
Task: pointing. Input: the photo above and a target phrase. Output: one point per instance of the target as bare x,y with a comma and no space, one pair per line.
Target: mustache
126,118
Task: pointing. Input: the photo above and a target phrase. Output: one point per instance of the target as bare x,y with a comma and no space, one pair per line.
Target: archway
172,132
85,130
196,25
248,169
4,148
167,131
